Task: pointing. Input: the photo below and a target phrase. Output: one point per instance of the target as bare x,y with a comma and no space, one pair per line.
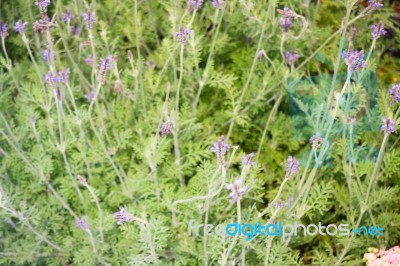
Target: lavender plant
121,123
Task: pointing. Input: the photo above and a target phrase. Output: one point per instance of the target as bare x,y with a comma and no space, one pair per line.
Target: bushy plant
123,121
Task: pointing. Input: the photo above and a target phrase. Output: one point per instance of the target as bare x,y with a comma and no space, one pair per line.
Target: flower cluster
166,128
388,125
291,57
382,257
182,35
20,26
237,191
286,18
377,30
89,18
3,30
292,167
394,92
220,148
82,223
52,79
122,216
66,16
354,60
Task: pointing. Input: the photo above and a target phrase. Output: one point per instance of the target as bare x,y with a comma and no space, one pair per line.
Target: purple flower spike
196,4
291,57
217,3
122,216
285,21
82,223
377,30
247,160
394,92
89,18
292,167
220,148
237,191
181,35
105,64
20,26
3,30
67,16
388,125
354,60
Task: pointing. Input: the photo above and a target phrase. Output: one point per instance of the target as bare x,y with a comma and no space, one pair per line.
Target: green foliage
229,78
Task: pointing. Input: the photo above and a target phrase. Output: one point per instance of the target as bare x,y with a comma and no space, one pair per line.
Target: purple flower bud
291,57
377,30
67,16
354,60
89,60
3,30
122,216
388,125
394,92
43,4
280,204
51,79
64,75
20,26
292,167
196,4
105,64
47,55
90,96
375,4
220,148
217,3
181,35
82,223
166,128
89,18
237,191
247,160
